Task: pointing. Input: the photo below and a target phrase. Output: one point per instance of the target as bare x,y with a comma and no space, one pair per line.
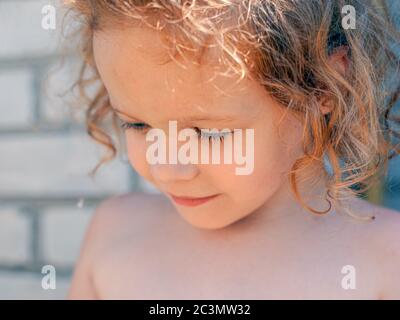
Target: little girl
308,77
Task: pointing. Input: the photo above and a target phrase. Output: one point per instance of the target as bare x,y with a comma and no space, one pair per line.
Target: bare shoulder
385,226
119,219
116,211
119,224
382,236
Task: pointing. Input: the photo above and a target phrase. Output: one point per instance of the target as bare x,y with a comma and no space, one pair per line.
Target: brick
63,230
28,286
16,109
14,236
58,164
21,31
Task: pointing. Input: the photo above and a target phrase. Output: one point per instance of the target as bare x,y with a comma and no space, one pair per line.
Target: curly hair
285,46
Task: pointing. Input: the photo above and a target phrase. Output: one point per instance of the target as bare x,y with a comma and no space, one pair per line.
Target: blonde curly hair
285,45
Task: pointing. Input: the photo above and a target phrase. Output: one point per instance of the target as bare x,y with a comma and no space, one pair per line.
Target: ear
339,60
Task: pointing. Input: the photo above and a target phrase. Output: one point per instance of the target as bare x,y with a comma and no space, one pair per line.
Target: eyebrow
186,119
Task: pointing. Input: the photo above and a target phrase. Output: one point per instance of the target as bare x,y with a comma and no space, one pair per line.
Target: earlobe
339,59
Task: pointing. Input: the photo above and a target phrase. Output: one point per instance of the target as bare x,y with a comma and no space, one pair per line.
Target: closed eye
138,126
208,134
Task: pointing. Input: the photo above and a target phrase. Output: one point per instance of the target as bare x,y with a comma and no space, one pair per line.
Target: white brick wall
63,230
27,285
14,236
21,31
55,164
16,109
45,156
57,106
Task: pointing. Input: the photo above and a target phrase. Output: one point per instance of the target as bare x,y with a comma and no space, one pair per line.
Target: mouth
191,202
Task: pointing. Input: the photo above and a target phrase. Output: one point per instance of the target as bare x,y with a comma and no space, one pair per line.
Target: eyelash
141,127
138,126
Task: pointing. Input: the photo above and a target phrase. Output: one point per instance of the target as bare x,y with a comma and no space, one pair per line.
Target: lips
191,202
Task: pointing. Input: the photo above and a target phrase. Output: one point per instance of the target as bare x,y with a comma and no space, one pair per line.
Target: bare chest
157,271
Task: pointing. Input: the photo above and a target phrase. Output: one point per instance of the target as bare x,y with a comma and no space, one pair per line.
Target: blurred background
47,196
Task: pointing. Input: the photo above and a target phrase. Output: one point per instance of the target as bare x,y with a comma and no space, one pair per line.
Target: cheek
277,146
271,156
272,162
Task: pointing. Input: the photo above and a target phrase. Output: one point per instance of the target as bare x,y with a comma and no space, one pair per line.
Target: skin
252,241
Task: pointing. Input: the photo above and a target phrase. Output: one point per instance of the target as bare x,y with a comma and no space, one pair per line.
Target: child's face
154,94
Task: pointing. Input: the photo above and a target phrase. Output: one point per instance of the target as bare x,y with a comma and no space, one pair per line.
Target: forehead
130,62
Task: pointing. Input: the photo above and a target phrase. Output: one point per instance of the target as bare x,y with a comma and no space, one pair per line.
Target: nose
173,172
